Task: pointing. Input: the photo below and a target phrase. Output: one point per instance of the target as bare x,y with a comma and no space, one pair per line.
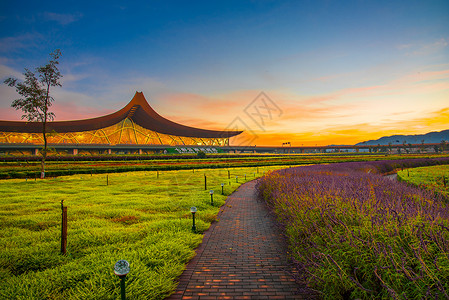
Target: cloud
10,44
6,72
342,116
404,46
327,134
425,49
63,19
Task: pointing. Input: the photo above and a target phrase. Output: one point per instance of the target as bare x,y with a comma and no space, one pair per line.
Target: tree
435,147
201,154
35,95
443,145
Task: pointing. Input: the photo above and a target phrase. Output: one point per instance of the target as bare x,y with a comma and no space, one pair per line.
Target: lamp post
222,185
193,211
121,269
211,192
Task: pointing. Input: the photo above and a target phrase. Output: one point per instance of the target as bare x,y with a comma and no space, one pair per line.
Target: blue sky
340,71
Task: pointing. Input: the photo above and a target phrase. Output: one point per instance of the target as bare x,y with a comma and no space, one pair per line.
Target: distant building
136,126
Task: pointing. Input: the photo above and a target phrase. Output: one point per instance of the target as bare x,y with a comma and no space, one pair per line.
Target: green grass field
139,216
433,178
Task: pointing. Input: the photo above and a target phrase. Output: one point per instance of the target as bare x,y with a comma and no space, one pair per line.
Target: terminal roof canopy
137,109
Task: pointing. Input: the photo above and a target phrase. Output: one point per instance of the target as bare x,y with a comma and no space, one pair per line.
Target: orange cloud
353,133
412,104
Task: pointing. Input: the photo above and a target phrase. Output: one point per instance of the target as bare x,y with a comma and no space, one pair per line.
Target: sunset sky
333,72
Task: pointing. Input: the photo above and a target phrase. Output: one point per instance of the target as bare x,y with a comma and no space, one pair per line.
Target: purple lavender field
354,233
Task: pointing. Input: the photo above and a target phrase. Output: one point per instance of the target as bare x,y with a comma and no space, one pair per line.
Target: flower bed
356,234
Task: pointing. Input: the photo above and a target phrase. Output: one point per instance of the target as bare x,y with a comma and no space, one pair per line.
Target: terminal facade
136,128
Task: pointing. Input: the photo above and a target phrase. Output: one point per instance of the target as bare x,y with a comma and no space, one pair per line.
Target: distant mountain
431,137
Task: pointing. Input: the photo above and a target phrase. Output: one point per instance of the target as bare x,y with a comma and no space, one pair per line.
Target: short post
63,229
107,179
121,269
229,175
211,192
408,174
193,211
157,174
257,170
222,185
444,181
236,179
205,182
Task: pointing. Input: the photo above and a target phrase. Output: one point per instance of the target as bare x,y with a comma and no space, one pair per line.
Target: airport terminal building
136,128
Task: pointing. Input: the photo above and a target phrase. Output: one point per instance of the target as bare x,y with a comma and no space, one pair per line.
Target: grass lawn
142,217
432,178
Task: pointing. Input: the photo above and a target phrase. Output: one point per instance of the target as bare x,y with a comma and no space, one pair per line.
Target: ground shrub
355,234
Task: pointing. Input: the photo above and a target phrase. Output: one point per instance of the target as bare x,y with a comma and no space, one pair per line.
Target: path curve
393,177
242,256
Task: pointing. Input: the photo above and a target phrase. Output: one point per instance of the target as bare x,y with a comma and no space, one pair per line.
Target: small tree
201,154
435,147
443,145
35,98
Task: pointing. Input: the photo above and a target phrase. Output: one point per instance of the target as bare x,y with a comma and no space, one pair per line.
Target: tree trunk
44,152
44,133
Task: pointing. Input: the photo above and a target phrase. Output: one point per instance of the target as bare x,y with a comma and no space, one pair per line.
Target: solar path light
222,185
211,193
121,269
193,211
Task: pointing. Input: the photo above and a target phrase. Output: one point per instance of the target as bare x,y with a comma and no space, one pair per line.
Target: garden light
222,185
193,211
211,192
236,179
121,269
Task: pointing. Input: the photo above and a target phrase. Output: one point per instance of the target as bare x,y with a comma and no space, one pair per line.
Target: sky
316,72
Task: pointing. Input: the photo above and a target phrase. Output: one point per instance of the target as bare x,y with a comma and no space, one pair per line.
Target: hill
431,137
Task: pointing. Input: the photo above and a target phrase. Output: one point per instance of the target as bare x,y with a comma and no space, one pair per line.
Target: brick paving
242,256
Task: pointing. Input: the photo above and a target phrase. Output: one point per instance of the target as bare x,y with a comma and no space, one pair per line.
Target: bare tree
35,95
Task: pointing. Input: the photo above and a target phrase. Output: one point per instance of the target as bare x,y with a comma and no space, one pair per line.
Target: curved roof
137,109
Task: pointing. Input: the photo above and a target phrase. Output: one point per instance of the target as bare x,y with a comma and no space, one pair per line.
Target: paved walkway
393,177
242,256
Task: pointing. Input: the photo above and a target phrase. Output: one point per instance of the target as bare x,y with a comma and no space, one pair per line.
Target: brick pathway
242,256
